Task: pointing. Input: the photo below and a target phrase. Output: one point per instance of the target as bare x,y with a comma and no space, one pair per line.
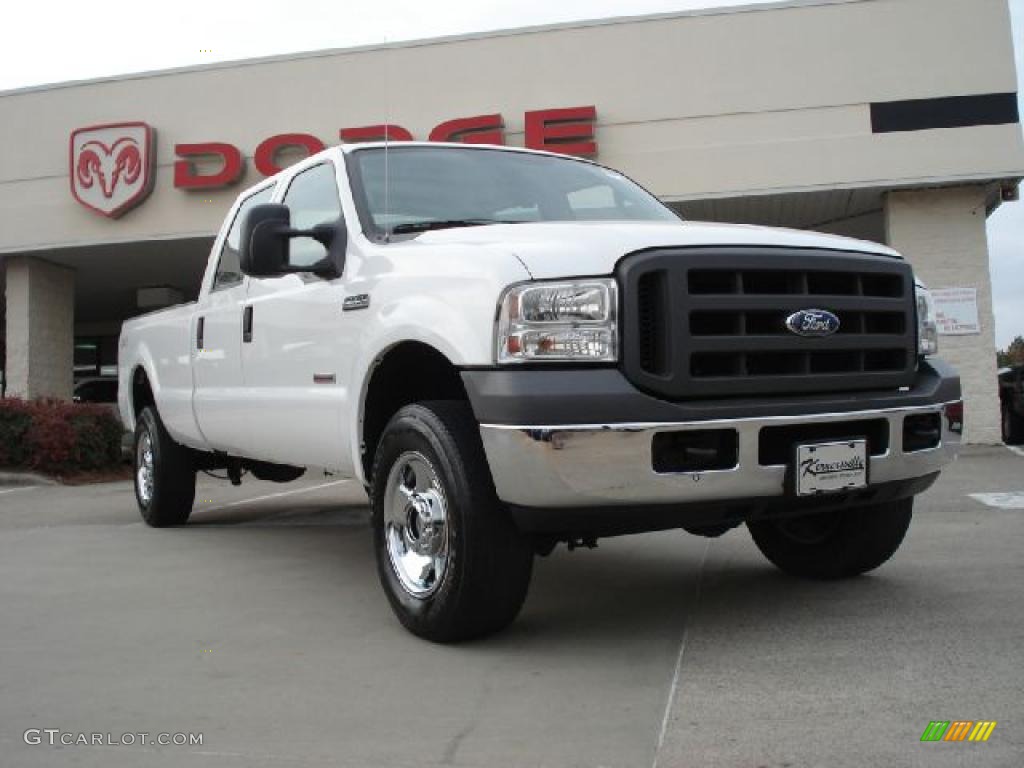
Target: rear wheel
834,545
165,478
451,562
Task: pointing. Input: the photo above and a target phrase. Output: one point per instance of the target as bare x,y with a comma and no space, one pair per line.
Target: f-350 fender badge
358,301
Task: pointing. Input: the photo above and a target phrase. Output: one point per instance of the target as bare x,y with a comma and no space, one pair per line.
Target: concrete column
40,328
942,233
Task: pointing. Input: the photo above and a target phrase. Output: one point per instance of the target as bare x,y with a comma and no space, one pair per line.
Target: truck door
292,359
217,345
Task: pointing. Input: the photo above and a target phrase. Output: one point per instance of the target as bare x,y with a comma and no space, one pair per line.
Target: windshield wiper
423,226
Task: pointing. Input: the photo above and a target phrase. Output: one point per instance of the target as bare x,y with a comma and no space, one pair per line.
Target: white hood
565,249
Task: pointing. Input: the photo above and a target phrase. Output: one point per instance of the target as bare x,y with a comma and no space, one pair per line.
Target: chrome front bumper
593,465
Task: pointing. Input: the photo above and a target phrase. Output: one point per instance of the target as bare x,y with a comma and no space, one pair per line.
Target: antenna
387,140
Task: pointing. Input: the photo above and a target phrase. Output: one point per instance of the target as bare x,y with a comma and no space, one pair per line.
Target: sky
56,40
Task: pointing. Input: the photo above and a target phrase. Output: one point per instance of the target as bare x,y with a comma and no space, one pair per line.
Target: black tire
486,573
834,545
173,488
1012,425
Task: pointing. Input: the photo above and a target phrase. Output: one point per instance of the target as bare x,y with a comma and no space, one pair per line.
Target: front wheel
451,561
165,478
834,545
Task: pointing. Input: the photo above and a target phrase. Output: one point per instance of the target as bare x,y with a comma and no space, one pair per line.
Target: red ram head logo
111,167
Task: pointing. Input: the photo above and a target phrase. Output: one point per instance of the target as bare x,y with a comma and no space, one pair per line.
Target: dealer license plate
831,467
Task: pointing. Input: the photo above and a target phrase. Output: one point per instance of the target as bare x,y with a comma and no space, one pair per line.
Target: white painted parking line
670,701
1009,500
345,517
1016,449
273,495
17,490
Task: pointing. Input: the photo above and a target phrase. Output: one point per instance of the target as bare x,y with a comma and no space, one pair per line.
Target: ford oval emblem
813,322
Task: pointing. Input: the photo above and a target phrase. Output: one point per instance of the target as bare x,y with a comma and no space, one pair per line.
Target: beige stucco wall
768,100
942,232
716,104
40,328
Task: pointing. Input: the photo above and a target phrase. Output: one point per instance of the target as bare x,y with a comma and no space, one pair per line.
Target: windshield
438,187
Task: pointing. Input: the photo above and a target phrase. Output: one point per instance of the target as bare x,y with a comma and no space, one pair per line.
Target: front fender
451,308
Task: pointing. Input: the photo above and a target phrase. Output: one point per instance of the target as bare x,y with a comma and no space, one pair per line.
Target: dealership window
96,391
312,198
95,356
229,271
87,357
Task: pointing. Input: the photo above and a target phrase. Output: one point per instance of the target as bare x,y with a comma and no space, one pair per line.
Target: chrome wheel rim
144,468
416,527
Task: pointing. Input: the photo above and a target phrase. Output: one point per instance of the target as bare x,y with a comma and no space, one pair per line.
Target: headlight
564,321
927,330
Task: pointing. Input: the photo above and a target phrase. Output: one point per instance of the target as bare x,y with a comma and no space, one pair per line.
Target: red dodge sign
568,130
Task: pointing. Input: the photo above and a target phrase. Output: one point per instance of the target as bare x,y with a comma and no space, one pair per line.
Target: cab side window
312,198
229,272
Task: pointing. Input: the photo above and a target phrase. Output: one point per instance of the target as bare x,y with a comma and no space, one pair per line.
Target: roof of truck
356,146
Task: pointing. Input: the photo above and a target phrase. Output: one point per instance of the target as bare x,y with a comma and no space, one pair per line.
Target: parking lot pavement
261,625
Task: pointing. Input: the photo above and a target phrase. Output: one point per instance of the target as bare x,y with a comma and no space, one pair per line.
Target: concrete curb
18,479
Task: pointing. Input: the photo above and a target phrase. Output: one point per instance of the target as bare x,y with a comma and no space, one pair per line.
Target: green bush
58,437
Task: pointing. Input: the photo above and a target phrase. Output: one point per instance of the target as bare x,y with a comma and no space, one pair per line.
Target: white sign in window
956,311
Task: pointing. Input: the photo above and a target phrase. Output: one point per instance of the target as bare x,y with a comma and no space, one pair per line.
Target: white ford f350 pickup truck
511,349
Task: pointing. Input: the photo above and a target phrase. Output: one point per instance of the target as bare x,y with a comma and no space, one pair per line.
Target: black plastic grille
775,282
651,308
707,322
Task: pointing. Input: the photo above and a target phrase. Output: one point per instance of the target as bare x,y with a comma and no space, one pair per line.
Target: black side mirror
263,250
266,239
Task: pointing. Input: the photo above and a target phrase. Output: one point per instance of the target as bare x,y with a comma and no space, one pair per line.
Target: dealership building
890,120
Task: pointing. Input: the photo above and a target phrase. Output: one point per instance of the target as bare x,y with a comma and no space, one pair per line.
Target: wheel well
407,373
142,392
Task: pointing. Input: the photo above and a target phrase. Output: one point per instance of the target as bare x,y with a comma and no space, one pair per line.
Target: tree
1012,355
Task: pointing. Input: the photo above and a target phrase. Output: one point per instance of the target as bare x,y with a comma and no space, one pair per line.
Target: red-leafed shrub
57,437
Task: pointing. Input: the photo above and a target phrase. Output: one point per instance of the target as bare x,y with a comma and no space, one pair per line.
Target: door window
229,271
312,198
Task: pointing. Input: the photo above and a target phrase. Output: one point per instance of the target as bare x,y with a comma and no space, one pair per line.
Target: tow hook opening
694,451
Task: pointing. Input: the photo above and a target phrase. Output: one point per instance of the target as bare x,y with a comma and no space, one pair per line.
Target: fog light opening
922,432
